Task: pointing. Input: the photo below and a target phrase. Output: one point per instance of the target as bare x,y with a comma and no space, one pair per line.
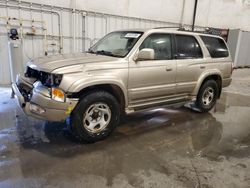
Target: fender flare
203,77
75,88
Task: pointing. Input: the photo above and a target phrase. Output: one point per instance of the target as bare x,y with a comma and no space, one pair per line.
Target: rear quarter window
216,46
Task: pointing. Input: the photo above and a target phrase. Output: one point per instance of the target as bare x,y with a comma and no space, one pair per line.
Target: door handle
202,66
168,69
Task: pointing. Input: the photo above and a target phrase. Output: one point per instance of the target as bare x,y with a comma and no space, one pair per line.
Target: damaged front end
47,79
39,95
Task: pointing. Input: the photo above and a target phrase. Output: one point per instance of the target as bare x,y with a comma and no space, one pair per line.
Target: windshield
117,44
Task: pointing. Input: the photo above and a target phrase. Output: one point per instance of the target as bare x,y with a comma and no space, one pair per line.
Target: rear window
187,47
216,46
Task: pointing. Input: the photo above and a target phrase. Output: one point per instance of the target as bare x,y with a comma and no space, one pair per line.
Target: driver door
153,80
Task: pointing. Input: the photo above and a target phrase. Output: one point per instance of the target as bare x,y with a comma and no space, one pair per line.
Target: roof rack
206,31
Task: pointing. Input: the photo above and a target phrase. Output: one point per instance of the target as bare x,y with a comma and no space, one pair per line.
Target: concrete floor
158,148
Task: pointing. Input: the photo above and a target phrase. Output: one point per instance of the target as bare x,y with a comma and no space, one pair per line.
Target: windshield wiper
103,52
91,51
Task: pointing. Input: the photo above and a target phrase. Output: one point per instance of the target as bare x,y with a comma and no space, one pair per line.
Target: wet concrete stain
157,148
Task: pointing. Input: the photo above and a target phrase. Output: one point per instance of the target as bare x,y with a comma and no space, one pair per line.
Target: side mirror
146,54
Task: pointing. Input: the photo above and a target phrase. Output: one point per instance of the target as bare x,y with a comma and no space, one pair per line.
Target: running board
162,105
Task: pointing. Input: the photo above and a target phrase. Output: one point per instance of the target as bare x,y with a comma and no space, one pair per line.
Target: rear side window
187,47
216,46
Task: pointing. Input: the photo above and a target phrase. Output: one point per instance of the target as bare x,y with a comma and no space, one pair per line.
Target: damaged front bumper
35,100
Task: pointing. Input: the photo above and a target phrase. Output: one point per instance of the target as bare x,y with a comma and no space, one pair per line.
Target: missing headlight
50,80
57,79
47,79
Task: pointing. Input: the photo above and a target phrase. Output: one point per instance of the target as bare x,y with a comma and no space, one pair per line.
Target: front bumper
40,98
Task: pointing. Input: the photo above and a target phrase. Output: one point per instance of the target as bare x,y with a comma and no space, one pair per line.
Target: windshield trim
115,55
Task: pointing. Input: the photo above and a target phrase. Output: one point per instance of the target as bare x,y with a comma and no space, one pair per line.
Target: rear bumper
50,109
226,82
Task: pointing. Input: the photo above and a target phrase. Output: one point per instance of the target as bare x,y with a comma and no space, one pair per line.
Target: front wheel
207,96
95,116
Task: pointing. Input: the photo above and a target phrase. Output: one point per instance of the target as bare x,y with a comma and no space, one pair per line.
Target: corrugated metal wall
51,30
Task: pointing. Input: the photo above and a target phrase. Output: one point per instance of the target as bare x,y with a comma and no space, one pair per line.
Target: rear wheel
207,96
95,116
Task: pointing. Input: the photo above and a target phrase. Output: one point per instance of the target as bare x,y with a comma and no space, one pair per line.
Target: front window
117,44
161,44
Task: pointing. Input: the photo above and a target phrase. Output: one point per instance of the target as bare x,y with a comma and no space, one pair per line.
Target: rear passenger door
189,60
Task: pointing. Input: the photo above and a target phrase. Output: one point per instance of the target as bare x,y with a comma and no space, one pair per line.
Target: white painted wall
233,14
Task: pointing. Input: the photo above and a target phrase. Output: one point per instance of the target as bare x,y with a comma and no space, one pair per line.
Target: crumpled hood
51,63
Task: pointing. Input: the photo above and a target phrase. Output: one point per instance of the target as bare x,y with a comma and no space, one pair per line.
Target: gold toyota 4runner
125,71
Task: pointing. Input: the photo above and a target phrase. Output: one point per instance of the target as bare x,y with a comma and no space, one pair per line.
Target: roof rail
170,27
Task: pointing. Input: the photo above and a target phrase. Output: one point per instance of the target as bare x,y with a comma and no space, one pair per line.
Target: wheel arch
113,89
209,76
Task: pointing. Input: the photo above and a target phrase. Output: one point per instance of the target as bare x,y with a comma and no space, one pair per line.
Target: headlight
57,94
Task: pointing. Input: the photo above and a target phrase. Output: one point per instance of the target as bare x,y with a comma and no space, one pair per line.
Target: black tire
79,128
210,85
